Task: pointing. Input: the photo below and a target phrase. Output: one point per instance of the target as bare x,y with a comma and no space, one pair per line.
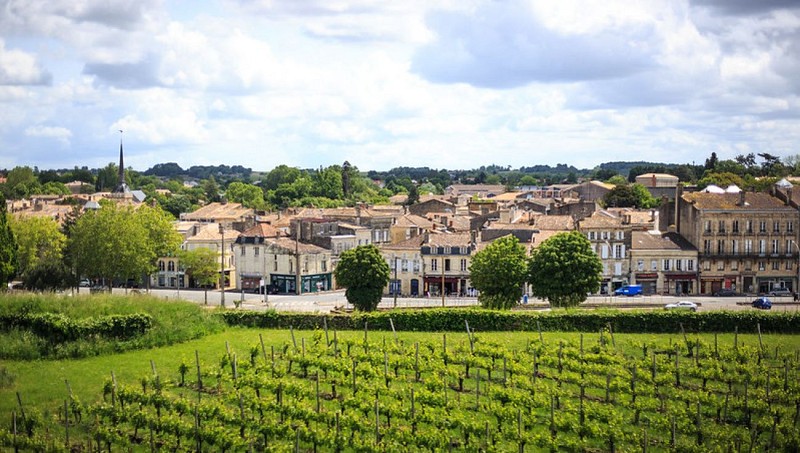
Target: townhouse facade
405,262
663,263
610,238
446,260
746,241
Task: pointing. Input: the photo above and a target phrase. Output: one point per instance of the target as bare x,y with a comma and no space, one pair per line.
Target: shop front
710,285
433,286
649,282
285,284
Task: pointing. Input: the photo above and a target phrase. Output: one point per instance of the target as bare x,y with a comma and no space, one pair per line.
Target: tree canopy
365,274
39,239
499,271
202,265
564,269
8,246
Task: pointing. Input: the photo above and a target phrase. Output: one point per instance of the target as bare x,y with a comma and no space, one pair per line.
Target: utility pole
395,283
222,268
297,277
442,290
264,274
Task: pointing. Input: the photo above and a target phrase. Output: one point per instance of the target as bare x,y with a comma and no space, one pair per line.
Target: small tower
122,187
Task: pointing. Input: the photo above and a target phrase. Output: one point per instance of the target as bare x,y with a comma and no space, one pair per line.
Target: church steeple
121,186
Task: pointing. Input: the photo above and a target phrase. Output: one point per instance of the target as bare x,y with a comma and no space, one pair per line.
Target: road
327,301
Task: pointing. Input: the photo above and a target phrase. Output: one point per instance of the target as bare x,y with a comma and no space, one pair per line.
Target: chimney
741,198
653,183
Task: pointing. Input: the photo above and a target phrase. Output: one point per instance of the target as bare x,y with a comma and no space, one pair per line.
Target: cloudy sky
447,84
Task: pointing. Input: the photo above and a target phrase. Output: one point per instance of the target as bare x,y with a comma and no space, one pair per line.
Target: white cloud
61,134
20,68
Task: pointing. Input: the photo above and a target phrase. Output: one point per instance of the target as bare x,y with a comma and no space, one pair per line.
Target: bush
453,320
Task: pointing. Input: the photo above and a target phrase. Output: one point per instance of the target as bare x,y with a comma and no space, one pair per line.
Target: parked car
779,292
85,283
726,292
682,305
762,303
628,290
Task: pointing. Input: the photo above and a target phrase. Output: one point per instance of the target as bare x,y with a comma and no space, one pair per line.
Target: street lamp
395,283
797,287
264,273
222,267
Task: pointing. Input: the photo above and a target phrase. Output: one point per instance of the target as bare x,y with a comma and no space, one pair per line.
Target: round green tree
364,272
498,272
564,269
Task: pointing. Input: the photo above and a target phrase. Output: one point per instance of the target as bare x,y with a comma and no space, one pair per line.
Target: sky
453,84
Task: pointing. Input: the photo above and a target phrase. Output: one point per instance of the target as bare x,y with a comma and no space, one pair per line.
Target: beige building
610,236
663,263
746,241
446,259
405,263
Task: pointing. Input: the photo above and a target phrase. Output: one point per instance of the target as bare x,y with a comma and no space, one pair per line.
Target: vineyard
319,392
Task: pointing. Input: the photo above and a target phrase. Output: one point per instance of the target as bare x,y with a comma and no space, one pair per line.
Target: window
416,265
707,246
734,265
255,251
591,236
775,248
790,226
463,265
720,247
689,265
617,268
776,265
161,280
706,265
161,266
653,265
762,246
749,227
789,246
748,246
323,265
762,226
735,226
275,264
748,265
721,226
603,251
404,265
720,265
447,265
776,227
243,250
619,251
305,264
434,264
789,265
666,265
640,265
707,226
620,235
735,244
171,266
678,265
761,266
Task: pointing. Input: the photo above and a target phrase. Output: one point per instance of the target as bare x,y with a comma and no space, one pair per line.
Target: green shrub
434,320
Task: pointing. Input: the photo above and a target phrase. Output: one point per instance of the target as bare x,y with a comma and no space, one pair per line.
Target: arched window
161,266
171,266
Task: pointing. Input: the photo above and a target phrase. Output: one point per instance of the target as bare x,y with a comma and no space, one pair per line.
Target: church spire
121,186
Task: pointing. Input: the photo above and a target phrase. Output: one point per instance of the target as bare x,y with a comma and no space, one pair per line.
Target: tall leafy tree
564,269
39,239
364,272
498,272
114,243
248,195
163,240
202,266
8,247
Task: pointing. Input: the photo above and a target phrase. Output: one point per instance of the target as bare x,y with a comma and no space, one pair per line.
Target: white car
682,305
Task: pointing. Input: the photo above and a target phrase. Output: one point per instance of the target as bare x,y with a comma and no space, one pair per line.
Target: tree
498,272
282,174
39,239
722,180
364,272
413,195
711,162
621,196
248,195
107,178
163,240
564,269
202,265
21,182
211,189
111,243
8,247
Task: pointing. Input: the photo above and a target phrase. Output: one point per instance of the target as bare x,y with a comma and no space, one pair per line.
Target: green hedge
58,328
435,320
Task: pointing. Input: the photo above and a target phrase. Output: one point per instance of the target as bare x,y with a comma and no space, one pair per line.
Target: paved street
327,301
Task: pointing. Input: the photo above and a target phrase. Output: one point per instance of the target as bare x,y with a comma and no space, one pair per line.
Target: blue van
629,290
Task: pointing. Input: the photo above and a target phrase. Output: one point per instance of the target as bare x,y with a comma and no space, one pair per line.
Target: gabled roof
209,232
412,220
554,222
645,240
219,211
262,230
448,239
290,245
412,243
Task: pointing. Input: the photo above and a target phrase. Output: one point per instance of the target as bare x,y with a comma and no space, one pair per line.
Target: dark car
726,292
762,303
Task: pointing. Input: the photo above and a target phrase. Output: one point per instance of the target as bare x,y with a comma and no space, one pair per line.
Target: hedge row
452,320
58,328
